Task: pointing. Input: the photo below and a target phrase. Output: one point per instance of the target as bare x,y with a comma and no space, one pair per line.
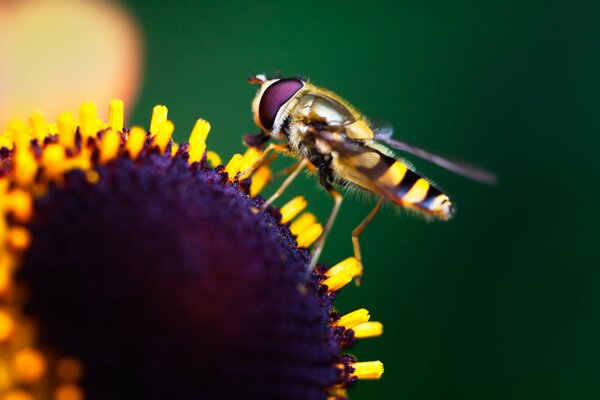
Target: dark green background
501,302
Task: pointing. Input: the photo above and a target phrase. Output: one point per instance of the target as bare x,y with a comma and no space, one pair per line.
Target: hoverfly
329,135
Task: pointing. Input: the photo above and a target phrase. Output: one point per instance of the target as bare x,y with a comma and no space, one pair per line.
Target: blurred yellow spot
368,369
135,141
368,329
337,281
292,208
233,166
116,115
260,179
213,159
88,121
17,395
18,238
7,326
309,235
66,130
92,176
163,135
159,115
109,147
68,392
20,204
28,366
69,370
352,319
53,160
302,222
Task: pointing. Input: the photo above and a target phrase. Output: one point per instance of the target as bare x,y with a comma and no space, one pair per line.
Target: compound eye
274,97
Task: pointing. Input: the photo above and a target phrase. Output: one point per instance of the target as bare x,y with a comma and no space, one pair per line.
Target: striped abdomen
393,180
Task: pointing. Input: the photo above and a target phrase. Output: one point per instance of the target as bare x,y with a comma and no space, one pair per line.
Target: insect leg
361,227
277,148
299,167
337,202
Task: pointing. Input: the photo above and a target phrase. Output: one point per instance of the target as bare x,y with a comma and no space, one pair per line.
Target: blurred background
499,303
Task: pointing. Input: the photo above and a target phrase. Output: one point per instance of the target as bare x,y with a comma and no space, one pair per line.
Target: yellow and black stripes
394,180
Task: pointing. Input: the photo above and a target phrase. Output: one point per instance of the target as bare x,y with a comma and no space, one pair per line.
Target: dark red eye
274,97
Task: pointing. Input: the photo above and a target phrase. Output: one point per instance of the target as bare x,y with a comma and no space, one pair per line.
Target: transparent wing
384,136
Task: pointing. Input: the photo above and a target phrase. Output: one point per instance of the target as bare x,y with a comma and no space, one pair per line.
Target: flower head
131,267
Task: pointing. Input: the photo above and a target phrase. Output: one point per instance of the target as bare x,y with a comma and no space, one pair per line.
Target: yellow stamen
292,208
53,160
88,121
162,137
109,148
368,330
68,391
18,238
368,369
260,179
66,129
174,148
25,166
6,142
7,326
115,115
233,166
20,133
213,159
197,141
159,115
302,222
20,204
352,319
309,235
337,281
250,157
200,131
38,124
349,266
52,128
28,366
135,141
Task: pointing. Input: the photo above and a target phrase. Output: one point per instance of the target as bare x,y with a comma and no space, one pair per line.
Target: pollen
310,235
368,330
53,160
352,319
292,208
260,179
368,369
68,392
302,222
20,204
18,238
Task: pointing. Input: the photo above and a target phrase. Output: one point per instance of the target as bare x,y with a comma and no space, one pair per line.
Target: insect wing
459,167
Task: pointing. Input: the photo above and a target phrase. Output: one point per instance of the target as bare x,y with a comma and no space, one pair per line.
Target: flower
133,267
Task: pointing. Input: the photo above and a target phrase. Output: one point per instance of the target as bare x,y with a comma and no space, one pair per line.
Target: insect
332,137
